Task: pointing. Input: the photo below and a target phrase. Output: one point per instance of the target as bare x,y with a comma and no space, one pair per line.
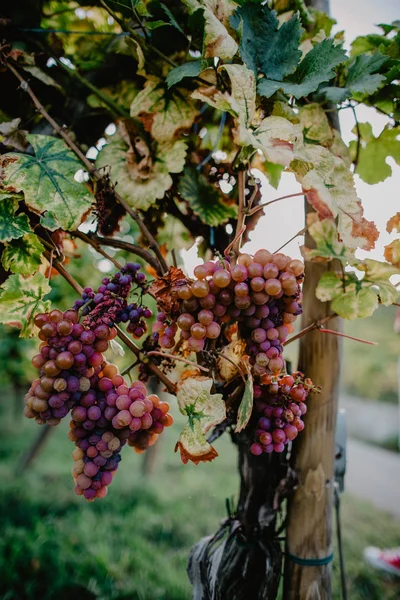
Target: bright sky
380,201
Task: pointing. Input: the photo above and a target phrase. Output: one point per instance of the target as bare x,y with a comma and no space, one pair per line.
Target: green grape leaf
23,256
265,46
363,73
329,287
362,78
189,69
21,298
12,226
141,183
204,410
47,180
217,40
273,172
246,404
356,305
204,199
358,299
326,238
374,151
163,113
315,68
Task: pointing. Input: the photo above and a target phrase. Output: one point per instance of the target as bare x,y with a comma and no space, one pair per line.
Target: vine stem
355,162
85,238
315,325
301,232
234,248
163,267
97,240
170,385
179,358
144,42
318,325
260,206
349,337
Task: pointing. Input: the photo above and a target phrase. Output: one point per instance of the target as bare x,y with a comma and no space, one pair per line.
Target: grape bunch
98,445
69,354
107,417
109,305
261,293
279,407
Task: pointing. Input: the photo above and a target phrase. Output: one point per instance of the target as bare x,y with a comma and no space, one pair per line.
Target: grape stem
315,325
319,326
185,360
260,206
143,43
234,247
162,266
97,247
349,337
170,385
97,241
301,232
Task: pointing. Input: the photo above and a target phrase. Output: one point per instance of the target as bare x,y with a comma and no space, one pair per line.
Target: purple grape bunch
109,305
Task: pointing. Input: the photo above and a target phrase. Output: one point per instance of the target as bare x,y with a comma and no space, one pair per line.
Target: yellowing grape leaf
329,188
246,404
229,360
393,223
47,180
21,298
141,182
243,92
326,238
12,226
204,410
164,113
315,125
217,40
23,256
275,137
392,253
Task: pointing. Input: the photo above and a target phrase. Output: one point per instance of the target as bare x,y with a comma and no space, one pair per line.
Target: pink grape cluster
69,354
279,406
108,416
261,293
109,305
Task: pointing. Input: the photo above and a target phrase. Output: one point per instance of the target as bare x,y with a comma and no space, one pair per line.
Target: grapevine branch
179,358
240,226
97,247
264,204
319,326
97,241
170,385
144,43
163,268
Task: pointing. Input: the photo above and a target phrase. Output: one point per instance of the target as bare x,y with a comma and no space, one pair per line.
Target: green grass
371,371
134,544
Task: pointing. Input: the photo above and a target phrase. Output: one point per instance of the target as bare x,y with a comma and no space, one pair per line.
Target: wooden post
310,511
